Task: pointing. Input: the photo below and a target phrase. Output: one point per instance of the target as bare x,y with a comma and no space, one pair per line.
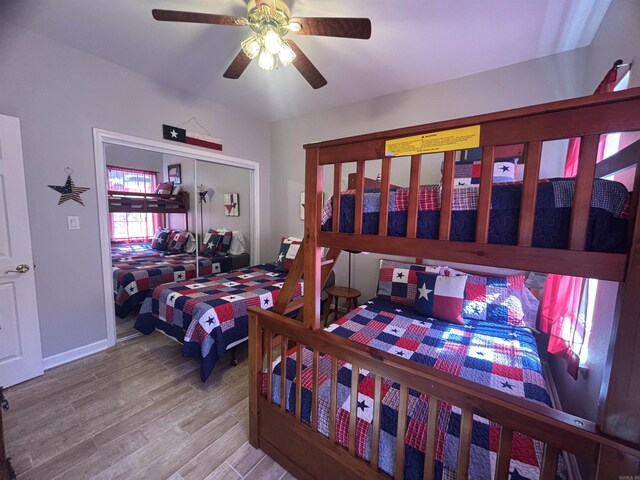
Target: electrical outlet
73,223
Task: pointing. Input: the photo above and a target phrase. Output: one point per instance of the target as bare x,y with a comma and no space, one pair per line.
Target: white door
20,351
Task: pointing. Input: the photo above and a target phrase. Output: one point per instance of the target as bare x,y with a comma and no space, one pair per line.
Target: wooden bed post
312,271
620,394
255,370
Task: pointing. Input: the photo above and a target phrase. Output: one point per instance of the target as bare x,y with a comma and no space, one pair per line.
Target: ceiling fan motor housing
274,13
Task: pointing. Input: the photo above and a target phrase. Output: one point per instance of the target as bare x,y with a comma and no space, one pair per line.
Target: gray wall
60,94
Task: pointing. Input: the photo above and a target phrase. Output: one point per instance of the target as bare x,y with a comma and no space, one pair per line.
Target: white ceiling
413,43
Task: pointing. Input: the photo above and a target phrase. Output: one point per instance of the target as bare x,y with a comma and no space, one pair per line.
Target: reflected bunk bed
138,271
318,430
133,202
164,204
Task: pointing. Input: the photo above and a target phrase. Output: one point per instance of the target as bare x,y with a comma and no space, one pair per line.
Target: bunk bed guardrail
307,453
148,202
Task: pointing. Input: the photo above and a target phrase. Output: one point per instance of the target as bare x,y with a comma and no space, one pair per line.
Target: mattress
134,278
208,314
497,355
607,220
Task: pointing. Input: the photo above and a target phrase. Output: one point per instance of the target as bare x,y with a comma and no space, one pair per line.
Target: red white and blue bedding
607,220
208,315
134,278
501,356
124,251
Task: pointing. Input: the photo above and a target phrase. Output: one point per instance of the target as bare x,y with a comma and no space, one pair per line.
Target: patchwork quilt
134,278
126,251
607,219
501,356
208,314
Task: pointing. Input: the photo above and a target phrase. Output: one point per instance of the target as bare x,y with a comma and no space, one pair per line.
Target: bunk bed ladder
284,305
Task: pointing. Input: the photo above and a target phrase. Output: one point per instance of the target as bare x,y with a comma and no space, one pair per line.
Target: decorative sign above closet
183,135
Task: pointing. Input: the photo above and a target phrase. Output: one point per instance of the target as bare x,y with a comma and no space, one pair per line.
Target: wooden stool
335,293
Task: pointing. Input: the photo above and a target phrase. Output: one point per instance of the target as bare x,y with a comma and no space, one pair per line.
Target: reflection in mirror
151,205
223,221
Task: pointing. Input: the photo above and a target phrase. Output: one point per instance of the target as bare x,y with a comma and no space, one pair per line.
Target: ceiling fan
271,21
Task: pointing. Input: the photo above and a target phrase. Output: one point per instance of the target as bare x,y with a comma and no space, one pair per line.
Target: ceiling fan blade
306,68
195,17
238,66
332,27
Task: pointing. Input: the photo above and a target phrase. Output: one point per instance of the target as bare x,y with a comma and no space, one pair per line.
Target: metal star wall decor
69,191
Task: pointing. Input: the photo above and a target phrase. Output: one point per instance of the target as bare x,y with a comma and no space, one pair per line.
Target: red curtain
607,85
559,317
132,227
562,293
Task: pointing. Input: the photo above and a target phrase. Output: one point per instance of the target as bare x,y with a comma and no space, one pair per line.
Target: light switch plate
73,223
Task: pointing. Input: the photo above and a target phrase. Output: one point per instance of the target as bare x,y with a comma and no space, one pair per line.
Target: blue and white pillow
178,240
287,253
160,240
222,239
397,280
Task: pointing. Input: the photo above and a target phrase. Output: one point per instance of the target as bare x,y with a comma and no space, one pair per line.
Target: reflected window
129,227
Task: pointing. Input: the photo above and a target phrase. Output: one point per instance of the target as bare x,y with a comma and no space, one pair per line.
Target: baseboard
570,460
553,392
74,354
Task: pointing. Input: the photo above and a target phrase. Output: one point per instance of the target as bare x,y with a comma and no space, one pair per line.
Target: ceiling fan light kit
271,21
270,24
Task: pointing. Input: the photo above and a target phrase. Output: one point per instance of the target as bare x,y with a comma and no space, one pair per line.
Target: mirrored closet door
152,201
171,219
223,223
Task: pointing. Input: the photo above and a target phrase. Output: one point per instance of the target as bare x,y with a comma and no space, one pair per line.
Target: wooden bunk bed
612,444
131,202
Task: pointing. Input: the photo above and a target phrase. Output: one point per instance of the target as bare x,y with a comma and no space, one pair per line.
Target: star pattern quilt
209,314
134,278
607,219
501,356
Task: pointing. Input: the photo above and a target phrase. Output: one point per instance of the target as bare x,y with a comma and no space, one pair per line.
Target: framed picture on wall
232,204
174,174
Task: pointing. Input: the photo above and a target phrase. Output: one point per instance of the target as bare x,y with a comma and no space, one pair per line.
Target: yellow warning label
455,139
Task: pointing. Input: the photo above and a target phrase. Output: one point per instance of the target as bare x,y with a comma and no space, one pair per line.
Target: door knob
22,268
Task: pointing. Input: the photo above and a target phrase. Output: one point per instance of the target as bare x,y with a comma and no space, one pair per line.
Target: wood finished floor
135,411
124,326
